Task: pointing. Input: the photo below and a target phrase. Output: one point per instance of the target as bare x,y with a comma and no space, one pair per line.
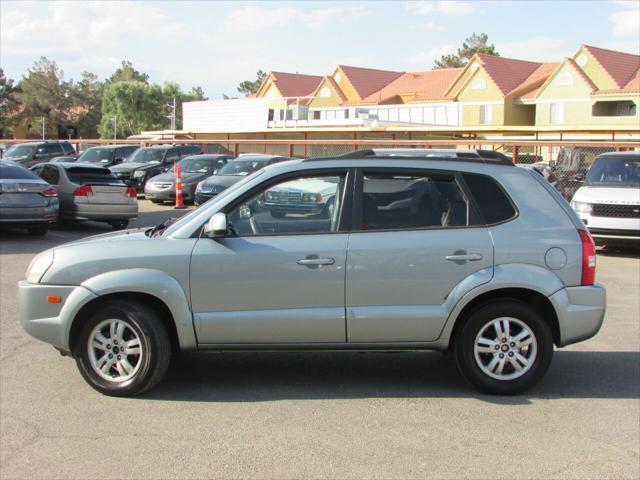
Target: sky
216,45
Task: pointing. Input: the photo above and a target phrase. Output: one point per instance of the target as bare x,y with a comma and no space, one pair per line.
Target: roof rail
484,156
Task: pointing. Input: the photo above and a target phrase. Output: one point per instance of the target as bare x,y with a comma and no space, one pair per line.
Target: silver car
89,192
470,255
26,200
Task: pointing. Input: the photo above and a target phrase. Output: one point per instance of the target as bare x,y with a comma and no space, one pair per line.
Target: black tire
157,201
154,343
277,214
38,231
465,341
119,224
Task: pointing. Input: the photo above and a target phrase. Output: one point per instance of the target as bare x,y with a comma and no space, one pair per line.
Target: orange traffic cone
179,201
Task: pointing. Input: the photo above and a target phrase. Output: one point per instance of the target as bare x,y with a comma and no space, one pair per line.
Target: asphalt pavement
319,415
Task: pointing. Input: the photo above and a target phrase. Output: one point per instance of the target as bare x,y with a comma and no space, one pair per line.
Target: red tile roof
583,75
531,85
295,84
424,86
506,73
619,65
632,86
366,81
335,88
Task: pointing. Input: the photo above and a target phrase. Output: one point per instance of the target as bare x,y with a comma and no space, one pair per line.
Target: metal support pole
43,128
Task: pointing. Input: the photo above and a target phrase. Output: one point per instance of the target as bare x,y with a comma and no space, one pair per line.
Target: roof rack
484,156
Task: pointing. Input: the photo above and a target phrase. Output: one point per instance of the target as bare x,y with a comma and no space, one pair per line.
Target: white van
609,201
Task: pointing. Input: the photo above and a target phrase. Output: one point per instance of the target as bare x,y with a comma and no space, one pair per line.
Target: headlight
39,266
582,207
199,186
139,174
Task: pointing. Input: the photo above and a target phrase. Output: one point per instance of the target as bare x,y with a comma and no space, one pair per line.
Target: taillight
131,192
83,191
49,192
588,258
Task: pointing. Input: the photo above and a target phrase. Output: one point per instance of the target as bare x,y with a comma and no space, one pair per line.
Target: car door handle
316,261
464,257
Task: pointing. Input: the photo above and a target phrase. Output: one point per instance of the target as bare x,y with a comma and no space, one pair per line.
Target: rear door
416,237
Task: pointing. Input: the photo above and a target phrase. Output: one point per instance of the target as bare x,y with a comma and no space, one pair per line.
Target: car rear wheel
119,224
38,231
123,349
504,348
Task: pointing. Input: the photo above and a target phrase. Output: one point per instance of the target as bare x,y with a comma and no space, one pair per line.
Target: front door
278,277
418,238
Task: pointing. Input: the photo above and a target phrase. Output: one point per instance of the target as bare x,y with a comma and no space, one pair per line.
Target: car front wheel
123,349
504,348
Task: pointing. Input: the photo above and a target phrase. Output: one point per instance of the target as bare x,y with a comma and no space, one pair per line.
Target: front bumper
314,208
50,322
580,312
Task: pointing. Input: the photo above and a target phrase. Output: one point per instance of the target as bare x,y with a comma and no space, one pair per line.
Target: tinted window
50,175
67,148
14,172
51,149
97,155
20,151
293,206
173,155
493,203
409,201
91,176
147,155
242,167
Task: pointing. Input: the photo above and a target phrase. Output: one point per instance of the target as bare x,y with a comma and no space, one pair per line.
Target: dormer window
478,84
325,92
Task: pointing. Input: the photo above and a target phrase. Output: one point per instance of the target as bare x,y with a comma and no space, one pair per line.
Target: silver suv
461,253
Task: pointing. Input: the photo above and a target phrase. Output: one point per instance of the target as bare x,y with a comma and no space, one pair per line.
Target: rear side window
67,148
494,205
50,175
392,201
52,149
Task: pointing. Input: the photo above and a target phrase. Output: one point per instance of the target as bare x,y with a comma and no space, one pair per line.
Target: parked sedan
233,172
194,169
25,199
88,192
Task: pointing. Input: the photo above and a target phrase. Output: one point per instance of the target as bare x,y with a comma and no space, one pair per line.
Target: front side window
241,168
396,200
485,114
52,149
96,155
292,206
147,155
556,113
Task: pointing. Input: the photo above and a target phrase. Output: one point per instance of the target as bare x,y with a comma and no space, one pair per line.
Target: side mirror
216,226
118,160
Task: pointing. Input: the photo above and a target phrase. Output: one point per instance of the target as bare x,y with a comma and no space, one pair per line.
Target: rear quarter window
492,201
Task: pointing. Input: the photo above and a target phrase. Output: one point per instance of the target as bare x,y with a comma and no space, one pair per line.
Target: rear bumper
26,215
101,212
50,322
580,312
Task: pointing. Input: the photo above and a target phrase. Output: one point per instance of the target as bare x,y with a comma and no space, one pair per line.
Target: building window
346,113
556,113
478,84
316,114
325,92
614,109
626,109
338,77
485,114
581,60
565,80
271,114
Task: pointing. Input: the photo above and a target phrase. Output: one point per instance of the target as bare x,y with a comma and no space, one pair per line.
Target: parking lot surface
319,415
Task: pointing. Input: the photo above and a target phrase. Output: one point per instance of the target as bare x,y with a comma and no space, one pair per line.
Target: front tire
504,348
123,349
119,224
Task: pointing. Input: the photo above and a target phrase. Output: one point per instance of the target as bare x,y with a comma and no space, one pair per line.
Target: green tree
196,93
476,43
8,104
127,73
43,93
251,86
136,106
86,104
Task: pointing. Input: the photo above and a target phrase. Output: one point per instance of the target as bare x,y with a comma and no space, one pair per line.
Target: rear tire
106,354
504,348
119,224
38,231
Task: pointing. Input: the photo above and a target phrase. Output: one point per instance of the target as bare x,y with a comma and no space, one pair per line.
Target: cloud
251,18
626,22
430,25
537,48
446,7
426,59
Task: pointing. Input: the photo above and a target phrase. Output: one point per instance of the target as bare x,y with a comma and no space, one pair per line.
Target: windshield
241,167
20,151
97,155
147,155
615,172
195,165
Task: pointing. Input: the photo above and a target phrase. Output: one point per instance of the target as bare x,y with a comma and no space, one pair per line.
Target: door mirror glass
216,226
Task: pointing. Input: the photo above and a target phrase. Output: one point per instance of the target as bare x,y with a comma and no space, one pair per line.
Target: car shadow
269,376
